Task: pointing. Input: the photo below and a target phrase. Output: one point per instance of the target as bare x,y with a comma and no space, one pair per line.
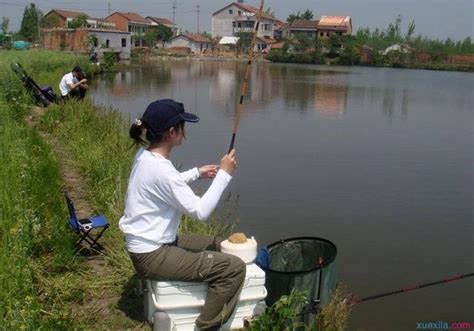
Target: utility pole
198,11
109,8
174,12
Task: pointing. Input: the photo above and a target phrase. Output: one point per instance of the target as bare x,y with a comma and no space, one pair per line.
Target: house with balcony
134,23
237,18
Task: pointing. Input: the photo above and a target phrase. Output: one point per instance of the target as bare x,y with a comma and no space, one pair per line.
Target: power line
174,12
198,11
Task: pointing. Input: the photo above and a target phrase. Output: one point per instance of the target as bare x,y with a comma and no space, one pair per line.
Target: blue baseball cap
166,113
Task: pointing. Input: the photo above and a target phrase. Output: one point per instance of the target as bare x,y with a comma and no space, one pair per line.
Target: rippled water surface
379,161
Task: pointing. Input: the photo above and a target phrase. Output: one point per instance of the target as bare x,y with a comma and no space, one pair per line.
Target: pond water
377,160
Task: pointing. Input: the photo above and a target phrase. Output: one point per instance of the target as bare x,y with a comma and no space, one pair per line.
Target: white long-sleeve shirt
157,193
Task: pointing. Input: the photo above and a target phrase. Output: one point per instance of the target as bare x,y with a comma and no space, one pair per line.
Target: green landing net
299,264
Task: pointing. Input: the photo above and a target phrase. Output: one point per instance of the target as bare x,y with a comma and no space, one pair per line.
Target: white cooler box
181,302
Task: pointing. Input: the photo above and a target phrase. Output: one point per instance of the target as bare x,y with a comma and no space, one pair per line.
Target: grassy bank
37,266
53,282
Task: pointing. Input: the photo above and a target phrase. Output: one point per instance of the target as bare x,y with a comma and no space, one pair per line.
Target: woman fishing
157,194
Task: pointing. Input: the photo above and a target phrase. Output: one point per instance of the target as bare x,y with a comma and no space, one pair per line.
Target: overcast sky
433,18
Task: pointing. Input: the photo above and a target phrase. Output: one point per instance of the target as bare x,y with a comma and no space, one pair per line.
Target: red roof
279,24
67,13
335,21
134,17
160,20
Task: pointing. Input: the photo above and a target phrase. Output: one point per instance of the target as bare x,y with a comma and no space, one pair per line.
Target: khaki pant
194,258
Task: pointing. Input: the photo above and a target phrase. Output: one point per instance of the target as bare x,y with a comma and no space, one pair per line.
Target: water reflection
292,88
317,151
298,89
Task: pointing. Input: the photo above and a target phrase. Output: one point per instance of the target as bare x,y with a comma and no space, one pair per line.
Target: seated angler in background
73,84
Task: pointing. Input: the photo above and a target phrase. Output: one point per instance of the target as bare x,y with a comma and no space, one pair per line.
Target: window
249,24
107,43
124,42
231,12
129,28
233,24
240,13
321,34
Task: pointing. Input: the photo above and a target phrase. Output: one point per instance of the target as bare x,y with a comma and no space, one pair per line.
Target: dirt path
103,306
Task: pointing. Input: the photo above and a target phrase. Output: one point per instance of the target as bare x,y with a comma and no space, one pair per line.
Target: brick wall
65,39
461,59
121,23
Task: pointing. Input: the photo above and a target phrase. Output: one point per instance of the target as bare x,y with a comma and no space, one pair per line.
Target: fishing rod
352,300
243,89
411,288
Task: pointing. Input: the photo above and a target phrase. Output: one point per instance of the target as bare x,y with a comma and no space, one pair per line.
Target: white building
112,41
196,43
238,17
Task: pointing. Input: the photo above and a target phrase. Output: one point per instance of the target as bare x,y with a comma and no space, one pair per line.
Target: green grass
32,229
43,284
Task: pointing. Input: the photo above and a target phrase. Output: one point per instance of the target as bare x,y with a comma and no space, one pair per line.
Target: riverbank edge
433,66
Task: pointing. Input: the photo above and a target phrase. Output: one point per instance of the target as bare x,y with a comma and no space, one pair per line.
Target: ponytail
136,131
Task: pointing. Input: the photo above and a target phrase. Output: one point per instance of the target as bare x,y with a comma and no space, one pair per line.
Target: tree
29,28
92,43
164,33
78,21
411,30
151,37
293,17
307,15
50,21
5,23
270,12
206,34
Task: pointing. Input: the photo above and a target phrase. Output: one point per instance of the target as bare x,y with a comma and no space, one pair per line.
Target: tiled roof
304,24
67,13
160,20
279,24
195,37
134,17
335,20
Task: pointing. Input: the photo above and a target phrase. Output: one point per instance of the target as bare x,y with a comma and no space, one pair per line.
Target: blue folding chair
83,227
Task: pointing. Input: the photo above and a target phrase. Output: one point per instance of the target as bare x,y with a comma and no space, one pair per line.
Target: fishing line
243,89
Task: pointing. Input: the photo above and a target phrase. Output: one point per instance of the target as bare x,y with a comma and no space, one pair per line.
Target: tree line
350,49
